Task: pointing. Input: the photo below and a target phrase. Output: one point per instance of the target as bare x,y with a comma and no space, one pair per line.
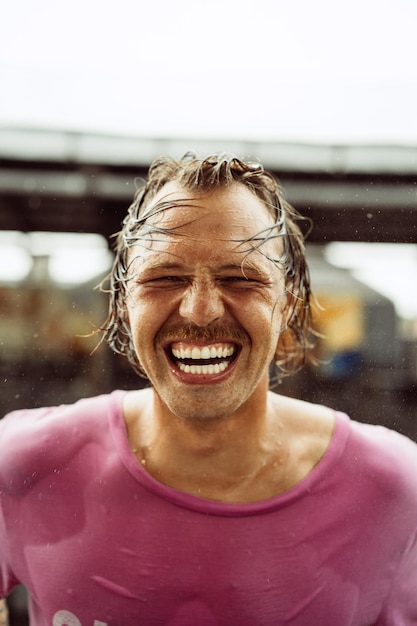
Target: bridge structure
64,181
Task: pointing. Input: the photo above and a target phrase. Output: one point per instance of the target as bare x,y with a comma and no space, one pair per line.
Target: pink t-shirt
97,541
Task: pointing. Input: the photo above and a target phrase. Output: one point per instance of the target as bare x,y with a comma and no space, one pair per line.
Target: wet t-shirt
98,542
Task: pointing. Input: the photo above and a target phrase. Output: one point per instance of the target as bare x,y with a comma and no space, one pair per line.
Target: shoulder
373,444
308,424
387,456
300,412
374,436
305,430
34,440
24,422
363,455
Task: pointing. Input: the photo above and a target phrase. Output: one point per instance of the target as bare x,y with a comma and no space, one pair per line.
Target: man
207,499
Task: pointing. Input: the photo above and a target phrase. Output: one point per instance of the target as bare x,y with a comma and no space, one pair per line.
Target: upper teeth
206,352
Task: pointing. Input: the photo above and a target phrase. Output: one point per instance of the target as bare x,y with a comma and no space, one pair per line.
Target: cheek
135,321
138,322
145,321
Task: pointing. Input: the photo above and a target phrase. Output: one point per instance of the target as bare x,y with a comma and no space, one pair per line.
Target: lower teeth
203,369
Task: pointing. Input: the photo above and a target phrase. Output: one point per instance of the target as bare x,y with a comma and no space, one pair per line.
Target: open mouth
203,360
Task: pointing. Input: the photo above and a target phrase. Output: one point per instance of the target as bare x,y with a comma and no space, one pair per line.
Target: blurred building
59,183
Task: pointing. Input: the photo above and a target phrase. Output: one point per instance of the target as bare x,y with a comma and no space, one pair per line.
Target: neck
216,459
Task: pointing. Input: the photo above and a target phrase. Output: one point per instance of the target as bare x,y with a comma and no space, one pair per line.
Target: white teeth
203,369
197,353
205,352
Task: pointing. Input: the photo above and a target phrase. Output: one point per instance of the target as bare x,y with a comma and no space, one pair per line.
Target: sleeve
401,605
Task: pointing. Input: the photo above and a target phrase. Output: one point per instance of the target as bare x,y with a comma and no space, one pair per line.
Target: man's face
204,306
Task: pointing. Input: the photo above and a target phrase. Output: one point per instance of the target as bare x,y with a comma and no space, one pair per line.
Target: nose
202,303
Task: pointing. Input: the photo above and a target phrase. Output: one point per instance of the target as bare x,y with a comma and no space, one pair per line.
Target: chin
201,411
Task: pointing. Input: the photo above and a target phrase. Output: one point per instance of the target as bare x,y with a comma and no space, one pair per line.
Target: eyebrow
243,267
151,266
247,267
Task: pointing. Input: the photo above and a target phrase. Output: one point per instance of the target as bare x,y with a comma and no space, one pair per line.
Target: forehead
231,212
225,227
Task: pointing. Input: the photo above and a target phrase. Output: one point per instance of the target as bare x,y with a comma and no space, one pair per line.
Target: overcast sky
322,71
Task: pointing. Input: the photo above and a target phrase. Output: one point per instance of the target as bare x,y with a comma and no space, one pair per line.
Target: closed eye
242,282
167,279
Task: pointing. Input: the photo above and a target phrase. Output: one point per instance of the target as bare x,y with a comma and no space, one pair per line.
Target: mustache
190,332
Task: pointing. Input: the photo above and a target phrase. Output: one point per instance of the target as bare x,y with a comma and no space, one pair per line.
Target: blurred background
323,93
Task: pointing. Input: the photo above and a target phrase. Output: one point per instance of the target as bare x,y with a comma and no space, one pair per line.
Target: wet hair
195,175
